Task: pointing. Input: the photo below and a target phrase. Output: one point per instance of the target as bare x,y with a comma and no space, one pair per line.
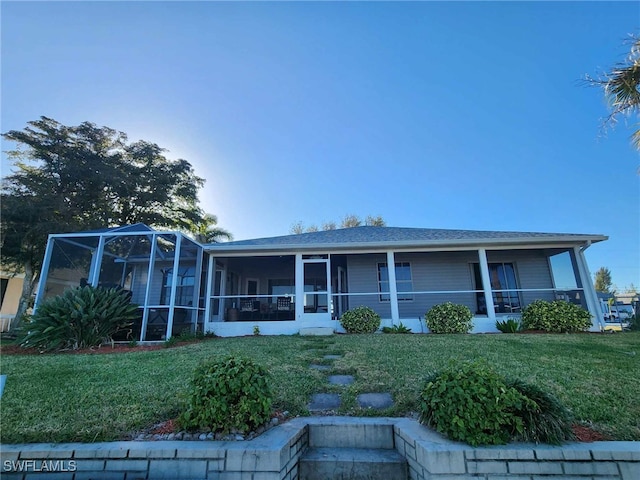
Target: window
4,283
184,287
281,287
503,286
404,283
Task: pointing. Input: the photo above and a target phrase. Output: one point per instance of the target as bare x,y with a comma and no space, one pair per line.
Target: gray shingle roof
379,236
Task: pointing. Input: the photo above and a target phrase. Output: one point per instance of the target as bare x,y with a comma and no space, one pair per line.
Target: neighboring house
10,293
283,284
618,306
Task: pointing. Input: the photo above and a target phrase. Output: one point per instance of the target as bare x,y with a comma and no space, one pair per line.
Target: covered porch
284,293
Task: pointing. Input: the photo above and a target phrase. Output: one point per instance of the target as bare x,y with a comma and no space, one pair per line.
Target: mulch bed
103,350
588,435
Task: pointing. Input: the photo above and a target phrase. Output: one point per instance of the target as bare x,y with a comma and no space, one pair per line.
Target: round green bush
449,318
228,394
557,317
360,320
471,403
81,317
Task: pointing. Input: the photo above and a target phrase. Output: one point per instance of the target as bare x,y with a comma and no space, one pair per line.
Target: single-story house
288,283
10,292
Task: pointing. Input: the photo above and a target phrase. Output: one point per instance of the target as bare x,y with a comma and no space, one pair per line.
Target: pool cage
163,272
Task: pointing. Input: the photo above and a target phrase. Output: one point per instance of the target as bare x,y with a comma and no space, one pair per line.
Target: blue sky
444,115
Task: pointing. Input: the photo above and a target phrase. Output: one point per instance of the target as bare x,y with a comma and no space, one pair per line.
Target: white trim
381,250
211,278
174,287
559,241
147,293
299,286
45,268
486,284
590,296
393,288
96,263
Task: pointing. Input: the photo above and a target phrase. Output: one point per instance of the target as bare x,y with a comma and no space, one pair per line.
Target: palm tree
207,230
622,88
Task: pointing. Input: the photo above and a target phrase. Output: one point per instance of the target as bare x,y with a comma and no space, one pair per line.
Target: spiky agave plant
81,317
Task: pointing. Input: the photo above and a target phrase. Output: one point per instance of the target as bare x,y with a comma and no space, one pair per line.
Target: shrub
228,394
400,328
449,318
79,318
472,403
510,325
360,320
545,419
557,316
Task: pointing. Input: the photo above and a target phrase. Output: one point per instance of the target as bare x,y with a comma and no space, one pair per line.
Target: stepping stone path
340,379
375,400
324,401
331,401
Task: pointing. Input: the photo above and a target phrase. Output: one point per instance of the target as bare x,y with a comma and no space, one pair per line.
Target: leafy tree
603,280
74,178
375,221
621,86
329,226
349,221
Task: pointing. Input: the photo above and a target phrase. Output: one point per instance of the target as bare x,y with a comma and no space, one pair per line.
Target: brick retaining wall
432,457
275,455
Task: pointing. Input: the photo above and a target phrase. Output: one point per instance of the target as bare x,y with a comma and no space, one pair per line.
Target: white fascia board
123,234
118,234
433,245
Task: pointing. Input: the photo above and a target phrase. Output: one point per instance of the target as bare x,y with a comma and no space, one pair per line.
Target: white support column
147,293
196,289
393,288
486,283
96,263
329,289
174,286
299,286
223,289
44,272
588,290
211,278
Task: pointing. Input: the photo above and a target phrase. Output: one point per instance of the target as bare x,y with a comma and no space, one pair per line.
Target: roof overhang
560,241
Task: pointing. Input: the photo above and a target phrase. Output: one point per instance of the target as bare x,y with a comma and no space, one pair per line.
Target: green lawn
60,398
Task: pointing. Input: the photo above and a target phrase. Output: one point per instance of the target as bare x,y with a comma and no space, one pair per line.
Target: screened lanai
161,271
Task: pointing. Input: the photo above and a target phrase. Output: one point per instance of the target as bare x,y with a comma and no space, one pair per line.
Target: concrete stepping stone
321,368
341,379
332,357
324,401
377,401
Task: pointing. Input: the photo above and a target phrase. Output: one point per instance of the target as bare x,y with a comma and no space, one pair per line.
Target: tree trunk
30,279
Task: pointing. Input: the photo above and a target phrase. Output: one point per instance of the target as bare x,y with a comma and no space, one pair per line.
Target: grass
86,397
